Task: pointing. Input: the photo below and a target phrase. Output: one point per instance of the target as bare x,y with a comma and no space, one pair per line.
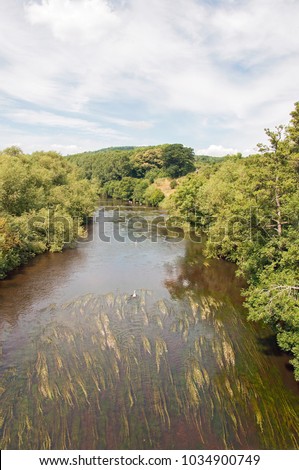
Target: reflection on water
176,367
194,274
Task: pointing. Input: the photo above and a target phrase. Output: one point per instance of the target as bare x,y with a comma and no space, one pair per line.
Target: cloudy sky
78,75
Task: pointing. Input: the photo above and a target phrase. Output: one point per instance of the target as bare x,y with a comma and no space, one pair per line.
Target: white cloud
84,20
53,120
233,64
66,149
253,31
217,151
60,141
131,124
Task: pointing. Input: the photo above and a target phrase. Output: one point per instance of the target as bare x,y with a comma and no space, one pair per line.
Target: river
123,344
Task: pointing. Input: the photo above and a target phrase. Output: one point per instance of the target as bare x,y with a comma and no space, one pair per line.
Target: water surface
87,366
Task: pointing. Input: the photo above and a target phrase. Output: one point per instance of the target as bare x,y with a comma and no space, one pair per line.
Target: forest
129,173
246,207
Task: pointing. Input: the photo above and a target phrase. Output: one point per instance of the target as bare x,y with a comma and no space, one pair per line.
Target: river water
86,364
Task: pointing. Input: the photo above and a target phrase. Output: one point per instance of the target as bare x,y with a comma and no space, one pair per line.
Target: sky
78,75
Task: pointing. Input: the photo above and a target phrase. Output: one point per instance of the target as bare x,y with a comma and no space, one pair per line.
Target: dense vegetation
248,208
43,200
129,173
208,159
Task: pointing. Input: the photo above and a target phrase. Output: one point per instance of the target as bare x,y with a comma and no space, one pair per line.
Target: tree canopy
43,200
114,164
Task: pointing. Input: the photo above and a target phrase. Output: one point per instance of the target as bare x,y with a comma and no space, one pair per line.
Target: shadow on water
32,286
176,367
194,273
269,346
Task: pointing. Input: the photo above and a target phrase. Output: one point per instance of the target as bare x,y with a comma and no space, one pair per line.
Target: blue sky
80,75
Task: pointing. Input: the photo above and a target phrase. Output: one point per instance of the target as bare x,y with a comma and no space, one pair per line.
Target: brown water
87,366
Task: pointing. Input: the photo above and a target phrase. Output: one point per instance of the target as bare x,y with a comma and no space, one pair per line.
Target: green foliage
139,191
275,300
207,159
154,174
13,151
177,160
104,166
114,164
185,199
122,189
293,129
153,196
146,160
127,189
43,200
248,208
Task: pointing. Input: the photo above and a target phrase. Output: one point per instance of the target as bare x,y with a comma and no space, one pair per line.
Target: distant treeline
249,209
209,159
128,173
43,200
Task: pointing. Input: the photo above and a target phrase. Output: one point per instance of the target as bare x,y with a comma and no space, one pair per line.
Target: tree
36,191
19,190
153,196
13,151
178,160
139,191
275,300
293,129
146,160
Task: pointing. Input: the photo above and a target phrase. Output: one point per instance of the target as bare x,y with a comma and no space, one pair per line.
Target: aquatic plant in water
116,372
